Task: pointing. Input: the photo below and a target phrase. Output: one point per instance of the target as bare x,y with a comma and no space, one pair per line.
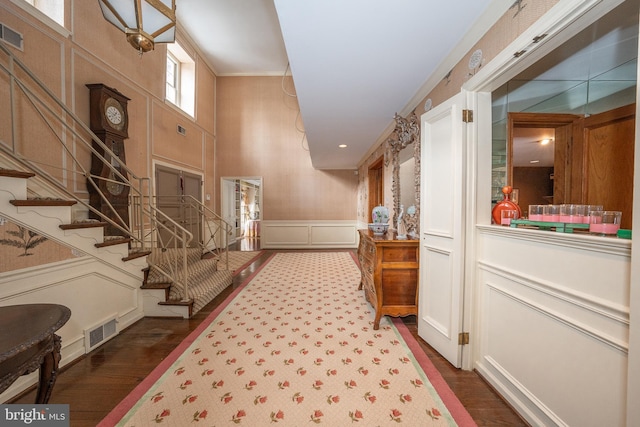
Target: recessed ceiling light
534,161
342,146
545,141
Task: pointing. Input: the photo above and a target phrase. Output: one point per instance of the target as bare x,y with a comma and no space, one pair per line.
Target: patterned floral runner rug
295,346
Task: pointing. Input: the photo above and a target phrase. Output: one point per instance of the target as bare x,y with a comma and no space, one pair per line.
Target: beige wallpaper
22,248
259,135
97,52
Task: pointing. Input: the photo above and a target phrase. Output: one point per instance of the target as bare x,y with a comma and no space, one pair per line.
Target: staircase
52,218
206,281
162,295
44,194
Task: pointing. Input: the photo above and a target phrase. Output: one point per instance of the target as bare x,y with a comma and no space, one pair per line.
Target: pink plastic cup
507,215
604,223
535,212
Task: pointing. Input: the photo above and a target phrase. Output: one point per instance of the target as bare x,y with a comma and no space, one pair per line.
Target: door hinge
467,116
537,39
463,338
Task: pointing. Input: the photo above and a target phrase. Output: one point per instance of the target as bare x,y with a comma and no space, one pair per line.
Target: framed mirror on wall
563,129
403,153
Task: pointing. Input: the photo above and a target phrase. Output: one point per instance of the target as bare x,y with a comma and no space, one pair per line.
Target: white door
228,205
442,232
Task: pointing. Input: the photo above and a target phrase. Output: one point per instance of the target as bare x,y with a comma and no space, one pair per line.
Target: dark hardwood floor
94,384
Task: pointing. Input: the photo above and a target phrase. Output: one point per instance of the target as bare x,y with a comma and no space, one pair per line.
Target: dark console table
28,342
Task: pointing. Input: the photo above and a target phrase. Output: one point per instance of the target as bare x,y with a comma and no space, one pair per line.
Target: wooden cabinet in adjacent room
389,269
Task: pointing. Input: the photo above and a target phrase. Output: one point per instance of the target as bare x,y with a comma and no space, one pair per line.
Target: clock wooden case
109,120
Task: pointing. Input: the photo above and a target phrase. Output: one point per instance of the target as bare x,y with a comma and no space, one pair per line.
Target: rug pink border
136,394
451,401
455,407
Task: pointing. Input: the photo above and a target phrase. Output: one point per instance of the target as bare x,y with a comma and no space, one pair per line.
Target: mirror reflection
564,129
407,177
403,152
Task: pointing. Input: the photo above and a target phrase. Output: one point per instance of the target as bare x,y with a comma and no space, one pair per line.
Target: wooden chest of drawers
389,270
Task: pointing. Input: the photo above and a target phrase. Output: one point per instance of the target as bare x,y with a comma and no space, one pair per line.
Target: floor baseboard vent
101,333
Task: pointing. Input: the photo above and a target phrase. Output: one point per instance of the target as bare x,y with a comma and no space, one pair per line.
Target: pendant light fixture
144,22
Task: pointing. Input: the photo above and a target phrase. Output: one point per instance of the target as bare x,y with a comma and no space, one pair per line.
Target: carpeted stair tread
204,279
43,202
16,173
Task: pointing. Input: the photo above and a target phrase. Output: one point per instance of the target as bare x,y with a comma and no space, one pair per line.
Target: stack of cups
567,213
601,222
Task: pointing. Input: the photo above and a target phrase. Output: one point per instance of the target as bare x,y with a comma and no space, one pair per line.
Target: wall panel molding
308,234
607,245
566,320
519,396
616,312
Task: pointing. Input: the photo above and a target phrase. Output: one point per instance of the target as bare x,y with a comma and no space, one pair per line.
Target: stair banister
205,216
141,211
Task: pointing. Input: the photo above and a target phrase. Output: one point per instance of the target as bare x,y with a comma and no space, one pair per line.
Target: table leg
376,321
49,372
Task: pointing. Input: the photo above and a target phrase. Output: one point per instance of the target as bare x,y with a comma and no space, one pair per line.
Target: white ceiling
355,63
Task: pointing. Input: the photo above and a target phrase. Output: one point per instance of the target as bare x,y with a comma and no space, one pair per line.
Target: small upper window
181,78
173,72
54,9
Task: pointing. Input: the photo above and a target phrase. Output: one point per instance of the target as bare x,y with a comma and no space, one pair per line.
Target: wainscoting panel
308,234
554,324
437,298
90,289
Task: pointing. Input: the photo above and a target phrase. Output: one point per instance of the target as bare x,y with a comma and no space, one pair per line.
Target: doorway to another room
241,205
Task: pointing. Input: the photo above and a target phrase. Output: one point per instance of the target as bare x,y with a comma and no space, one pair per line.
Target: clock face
114,113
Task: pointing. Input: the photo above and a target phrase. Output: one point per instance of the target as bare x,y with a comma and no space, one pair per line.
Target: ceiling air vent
11,36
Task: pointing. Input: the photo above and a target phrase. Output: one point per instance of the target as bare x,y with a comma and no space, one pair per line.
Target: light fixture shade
145,22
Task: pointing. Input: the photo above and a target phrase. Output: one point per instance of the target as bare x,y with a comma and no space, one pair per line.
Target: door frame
223,201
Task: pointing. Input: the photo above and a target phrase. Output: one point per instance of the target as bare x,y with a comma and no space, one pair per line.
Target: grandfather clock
109,121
